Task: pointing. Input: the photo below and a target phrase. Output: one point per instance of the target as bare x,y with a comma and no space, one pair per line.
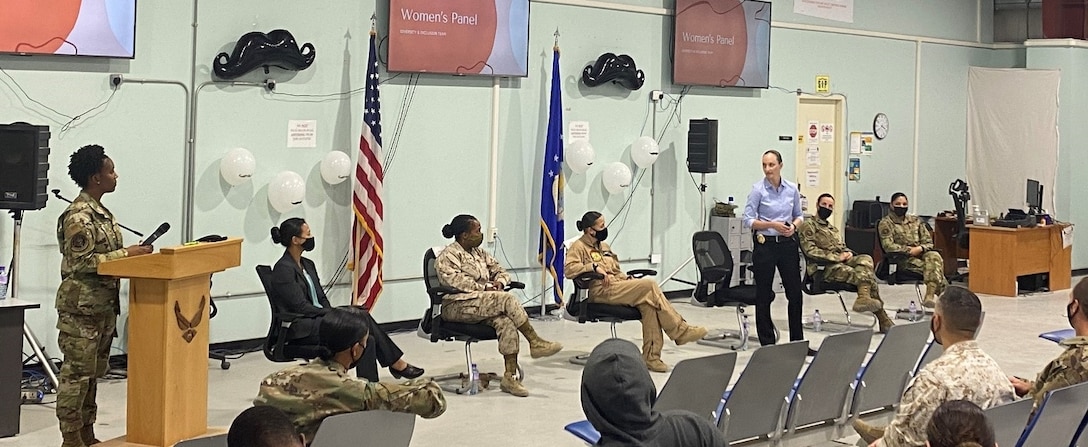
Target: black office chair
437,329
960,196
581,308
276,345
815,284
888,271
715,264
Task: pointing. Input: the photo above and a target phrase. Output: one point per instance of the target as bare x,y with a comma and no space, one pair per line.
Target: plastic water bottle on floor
3,282
474,386
913,310
817,321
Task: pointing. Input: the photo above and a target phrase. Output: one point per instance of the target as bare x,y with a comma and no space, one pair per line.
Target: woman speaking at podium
773,212
87,304
299,291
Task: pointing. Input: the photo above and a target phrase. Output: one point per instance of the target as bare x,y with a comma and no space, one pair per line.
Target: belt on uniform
768,239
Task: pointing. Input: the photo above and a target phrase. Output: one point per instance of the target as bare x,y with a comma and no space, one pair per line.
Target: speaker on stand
24,177
703,159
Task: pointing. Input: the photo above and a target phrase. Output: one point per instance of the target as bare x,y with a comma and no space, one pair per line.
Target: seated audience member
959,423
263,426
590,253
310,392
298,291
618,398
822,245
1071,367
907,235
963,371
465,266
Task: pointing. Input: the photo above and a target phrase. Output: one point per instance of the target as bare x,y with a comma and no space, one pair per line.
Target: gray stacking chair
1057,419
697,385
1009,420
373,428
206,441
929,354
756,406
882,380
819,404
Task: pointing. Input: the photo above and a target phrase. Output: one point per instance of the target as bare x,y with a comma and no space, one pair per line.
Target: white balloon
286,191
335,167
237,166
579,155
617,176
644,151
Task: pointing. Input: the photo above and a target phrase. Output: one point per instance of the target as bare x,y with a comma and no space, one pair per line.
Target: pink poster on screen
722,43
480,37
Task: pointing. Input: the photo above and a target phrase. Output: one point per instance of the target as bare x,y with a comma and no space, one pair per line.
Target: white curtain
1012,136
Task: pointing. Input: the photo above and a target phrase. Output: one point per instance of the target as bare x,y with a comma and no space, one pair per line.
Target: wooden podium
169,295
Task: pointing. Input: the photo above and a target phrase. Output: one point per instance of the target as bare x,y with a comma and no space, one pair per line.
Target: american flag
366,200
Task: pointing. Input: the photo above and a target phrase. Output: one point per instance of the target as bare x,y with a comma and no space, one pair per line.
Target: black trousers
379,349
781,253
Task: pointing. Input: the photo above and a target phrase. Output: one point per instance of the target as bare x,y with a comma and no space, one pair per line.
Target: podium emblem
188,326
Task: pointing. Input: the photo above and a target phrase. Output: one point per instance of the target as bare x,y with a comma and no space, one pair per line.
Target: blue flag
552,252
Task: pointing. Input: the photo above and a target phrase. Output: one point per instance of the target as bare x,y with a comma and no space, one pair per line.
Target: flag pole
544,261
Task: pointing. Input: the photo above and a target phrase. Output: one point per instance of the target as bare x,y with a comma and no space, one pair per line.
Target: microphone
56,192
158,232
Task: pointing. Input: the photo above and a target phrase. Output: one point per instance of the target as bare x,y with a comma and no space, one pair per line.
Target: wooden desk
944,240
999,255
11,362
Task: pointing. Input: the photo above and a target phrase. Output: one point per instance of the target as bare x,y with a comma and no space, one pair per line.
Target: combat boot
87,434
538,347
885,322
690,334
72,439
865,302
509,382
930,300
868,433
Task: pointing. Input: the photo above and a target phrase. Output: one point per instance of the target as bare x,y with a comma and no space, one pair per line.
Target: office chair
959,191
584,311
715,264
276,346
815,284
888,271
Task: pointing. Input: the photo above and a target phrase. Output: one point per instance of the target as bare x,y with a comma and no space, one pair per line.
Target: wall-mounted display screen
464,37
722,43
74,27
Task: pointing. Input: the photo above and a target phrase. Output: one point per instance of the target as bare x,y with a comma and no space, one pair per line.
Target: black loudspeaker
703,146
24,166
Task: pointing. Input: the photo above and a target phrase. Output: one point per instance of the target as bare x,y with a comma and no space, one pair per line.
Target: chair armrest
582,281
639,273
437,292
515,285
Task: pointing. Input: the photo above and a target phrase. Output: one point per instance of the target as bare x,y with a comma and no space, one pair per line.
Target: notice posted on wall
855,169
837,10
302,133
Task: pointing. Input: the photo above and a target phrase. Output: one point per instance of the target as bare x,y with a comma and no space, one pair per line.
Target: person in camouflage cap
822,245
87,304
906,236
310,392
1071,367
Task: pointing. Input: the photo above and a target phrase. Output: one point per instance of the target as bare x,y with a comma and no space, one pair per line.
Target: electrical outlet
492,234
116,80
656,95
270,84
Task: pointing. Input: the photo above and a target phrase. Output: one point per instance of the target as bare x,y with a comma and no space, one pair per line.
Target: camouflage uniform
821,243
87,307
898,235
470,271
1070,368
313,391
963,371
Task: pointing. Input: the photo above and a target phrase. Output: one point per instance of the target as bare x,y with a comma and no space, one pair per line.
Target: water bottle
913,310
730,202
474,386
817,321
3,282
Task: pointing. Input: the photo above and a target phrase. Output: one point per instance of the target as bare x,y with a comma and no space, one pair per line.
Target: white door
819,162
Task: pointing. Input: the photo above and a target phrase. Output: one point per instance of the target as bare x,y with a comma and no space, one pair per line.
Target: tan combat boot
690,334
510,383
884,321
538,347
930,300
865,302
72,439
868,433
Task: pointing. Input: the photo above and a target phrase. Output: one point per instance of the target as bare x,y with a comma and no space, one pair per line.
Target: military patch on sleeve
80,243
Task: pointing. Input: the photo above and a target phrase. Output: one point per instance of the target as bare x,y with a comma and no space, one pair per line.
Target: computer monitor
1034,196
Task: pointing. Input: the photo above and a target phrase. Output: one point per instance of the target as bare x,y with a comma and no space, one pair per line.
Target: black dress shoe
811,352
409,372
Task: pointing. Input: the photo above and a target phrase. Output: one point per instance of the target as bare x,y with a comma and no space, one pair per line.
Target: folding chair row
1059,420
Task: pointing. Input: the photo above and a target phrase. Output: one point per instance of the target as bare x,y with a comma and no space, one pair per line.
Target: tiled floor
493,418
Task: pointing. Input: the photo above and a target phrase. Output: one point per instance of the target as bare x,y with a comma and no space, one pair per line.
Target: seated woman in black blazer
298,290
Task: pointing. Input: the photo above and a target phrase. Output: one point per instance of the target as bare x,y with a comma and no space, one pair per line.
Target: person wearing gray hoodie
618,398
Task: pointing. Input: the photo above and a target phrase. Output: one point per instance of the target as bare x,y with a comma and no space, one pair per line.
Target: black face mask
1069,313
899,210
933,329
601,234
309,244
823,212
355,362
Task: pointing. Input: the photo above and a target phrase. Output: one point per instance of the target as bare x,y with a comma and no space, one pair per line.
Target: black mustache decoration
618,69
256,49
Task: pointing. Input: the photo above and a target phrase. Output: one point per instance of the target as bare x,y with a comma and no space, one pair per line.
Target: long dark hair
959,423
339,330
288,229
